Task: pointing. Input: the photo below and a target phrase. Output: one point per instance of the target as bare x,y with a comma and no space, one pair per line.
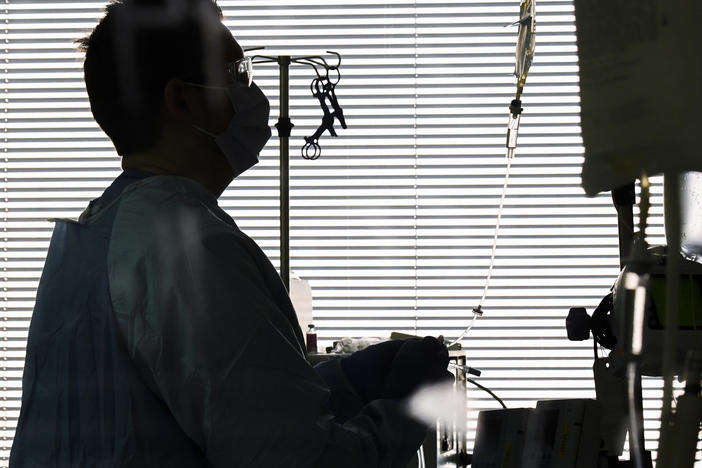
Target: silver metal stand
285,127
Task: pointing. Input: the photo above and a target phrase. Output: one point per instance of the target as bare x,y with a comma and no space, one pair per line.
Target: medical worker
162,336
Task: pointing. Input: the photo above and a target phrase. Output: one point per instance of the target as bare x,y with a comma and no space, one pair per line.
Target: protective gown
163,337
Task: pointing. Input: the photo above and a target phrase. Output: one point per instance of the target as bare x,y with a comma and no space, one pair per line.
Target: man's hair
138,46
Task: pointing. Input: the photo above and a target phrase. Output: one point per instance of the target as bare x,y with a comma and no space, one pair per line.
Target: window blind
393,225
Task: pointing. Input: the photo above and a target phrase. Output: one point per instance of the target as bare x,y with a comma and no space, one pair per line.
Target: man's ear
179,101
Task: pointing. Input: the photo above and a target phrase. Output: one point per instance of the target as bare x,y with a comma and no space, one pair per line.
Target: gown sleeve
208,338
344,402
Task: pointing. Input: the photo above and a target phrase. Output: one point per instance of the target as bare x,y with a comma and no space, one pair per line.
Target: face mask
248,132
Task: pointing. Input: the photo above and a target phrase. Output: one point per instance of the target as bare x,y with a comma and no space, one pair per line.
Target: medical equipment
500,438
631,323
285,127
323,89
452,450
634,323
646,326
555,434
523,58
641,317
446,443
563,434
640,69
639,74
688,414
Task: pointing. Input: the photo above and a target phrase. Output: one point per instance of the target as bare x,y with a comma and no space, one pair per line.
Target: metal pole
670,347
284,127
624,199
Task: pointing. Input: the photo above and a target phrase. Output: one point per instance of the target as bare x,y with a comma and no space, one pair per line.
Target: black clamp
323,89
515,107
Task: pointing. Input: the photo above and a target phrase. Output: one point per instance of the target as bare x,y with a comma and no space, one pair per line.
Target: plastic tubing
478,311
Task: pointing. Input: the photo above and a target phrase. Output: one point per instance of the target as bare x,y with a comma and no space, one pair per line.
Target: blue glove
367,370
417,363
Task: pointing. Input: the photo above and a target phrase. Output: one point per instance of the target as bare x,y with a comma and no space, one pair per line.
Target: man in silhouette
162,336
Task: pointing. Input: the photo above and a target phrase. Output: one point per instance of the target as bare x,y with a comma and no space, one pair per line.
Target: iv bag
640,93
525,41
691,214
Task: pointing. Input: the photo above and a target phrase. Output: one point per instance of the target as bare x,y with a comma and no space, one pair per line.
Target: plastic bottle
311,339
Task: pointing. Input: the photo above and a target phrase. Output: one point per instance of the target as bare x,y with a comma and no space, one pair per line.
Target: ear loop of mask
206,132
198,85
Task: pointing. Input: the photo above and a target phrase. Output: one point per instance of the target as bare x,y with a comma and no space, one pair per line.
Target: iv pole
285,127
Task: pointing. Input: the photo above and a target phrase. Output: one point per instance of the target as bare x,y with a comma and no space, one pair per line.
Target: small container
311,339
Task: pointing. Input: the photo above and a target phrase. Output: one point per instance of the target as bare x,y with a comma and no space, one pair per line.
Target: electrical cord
485,389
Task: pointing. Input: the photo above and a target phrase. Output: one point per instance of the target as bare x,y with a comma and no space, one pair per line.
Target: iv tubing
497,233
514,113
477,311
465,332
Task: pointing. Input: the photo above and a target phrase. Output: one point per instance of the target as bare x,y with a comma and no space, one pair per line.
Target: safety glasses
240,71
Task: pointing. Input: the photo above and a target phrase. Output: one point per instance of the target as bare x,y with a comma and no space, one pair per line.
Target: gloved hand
367,370
417,363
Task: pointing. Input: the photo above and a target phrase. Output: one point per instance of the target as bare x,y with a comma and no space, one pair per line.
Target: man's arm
344,402
202,326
